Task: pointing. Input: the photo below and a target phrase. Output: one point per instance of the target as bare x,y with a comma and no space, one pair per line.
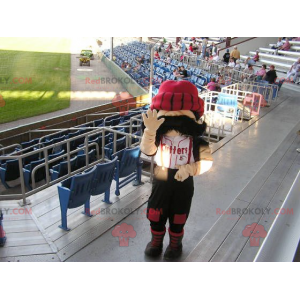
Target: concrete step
275,57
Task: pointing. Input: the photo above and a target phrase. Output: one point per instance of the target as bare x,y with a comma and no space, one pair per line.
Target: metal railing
18,155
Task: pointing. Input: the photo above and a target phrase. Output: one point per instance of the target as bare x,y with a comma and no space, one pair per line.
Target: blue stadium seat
40,174
61,169
103,178
128,165
9,171
120,145
80,163
74,192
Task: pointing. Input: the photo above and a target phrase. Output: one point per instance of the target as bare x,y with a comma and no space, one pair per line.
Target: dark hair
213,79
264,66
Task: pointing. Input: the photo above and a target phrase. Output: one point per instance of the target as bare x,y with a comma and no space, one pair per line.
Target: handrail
95,130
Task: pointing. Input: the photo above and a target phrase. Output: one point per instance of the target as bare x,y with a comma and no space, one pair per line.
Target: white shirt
174,150
231,64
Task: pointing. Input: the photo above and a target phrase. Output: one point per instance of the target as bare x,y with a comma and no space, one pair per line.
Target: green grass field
34,76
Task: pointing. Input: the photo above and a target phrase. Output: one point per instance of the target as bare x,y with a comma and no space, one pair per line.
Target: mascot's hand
150,120
182,174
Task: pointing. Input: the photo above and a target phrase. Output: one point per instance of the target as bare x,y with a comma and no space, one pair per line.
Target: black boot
154,248
174,249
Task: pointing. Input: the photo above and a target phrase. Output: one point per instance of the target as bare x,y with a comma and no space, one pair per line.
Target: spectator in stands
169,48
261,73
286,46
221,80
124,65
249,61
191,50
235,54
270,75
195,46
279,44
294,71
226,57
138,67
156,55
183,72
176,73
141,59
256,56
212,85
215,58
183,47
238,65
296,39
168,59
204,46
248,73
231,63
213,49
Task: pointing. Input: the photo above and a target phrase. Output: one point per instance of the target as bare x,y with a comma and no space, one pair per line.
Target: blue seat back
10,170
228,100
40,173
128,159
103,177
80,188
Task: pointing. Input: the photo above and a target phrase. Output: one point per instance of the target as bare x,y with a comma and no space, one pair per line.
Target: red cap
178,95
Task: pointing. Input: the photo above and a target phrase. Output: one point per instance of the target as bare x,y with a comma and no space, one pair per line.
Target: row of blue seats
77,190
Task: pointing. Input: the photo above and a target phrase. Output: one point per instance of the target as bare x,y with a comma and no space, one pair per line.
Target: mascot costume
172,132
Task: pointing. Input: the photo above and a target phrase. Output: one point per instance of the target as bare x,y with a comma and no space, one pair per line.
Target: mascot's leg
157,214
180,205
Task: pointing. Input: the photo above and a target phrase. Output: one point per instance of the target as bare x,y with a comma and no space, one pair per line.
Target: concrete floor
235,165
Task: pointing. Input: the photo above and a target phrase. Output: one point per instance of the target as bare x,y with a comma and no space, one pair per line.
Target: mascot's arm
196,168
147,145
151,123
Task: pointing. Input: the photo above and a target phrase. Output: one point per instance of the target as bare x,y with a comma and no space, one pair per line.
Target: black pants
170,200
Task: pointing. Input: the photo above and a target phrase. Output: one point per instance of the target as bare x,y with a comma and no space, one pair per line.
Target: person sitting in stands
137,68
226,57
270,75
279,44
168,59
231,63
285,47
249,61
256,56
124,64
141,59
294,71
169,48
156,55
176,73
238,65
212,85
221,80
183,72
215,58
191,50
248,73
261,73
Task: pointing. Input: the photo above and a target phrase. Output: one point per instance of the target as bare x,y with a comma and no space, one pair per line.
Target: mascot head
181,107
